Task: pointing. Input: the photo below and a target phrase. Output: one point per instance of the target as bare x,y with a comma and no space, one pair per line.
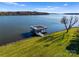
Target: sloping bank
55,44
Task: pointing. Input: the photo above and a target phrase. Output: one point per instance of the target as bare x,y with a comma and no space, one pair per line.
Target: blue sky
58,7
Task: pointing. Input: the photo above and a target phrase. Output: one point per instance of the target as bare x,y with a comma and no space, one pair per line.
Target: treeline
71,13
24,13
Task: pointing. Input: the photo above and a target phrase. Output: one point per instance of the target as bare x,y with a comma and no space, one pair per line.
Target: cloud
22,5
14,3
65,4
47,8
11,3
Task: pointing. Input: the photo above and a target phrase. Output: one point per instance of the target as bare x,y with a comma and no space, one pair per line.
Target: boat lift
38,30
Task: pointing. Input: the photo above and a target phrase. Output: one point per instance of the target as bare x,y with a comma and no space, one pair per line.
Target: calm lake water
11,27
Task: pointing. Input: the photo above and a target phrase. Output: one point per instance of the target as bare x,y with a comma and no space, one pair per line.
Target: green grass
54,44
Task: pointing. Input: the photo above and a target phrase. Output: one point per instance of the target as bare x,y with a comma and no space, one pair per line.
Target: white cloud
65,4
11,3
14,3
47,8
51,7
22,5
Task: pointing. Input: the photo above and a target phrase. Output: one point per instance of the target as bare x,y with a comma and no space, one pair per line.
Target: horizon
39,11
50,7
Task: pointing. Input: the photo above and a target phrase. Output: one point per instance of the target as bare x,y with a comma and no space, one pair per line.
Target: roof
38,27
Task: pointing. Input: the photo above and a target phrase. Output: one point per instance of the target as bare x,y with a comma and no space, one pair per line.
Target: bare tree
69,22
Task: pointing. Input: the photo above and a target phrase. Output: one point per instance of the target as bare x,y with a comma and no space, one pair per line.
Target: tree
69,22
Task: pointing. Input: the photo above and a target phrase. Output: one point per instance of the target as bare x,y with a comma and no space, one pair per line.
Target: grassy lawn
55,44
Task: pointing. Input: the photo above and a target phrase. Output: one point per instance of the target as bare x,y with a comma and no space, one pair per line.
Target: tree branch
75,21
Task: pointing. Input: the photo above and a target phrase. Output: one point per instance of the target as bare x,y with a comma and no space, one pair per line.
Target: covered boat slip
39,30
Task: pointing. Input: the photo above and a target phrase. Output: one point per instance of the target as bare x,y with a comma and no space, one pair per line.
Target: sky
52,7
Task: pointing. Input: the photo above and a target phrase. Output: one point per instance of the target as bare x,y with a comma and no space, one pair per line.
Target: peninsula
23,13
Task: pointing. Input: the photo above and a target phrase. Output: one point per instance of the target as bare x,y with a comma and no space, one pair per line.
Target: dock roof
38,27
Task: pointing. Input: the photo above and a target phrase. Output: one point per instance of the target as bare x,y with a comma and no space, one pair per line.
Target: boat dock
38,30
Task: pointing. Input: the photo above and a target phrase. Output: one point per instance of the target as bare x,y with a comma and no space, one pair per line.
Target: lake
11,27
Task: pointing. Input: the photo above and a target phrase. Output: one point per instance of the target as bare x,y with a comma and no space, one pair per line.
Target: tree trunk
66,28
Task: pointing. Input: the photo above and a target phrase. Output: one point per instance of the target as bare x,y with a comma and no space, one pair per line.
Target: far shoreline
22,13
